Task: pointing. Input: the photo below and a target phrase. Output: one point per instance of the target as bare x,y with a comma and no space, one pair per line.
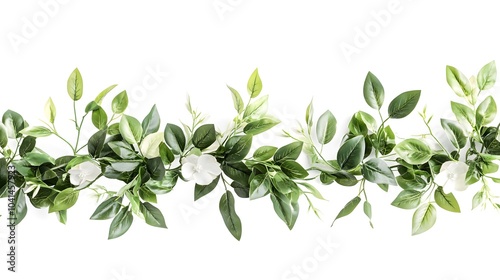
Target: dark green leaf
293,169
27,145
156,168
174,136
373,91
455,133
4,139
259,186
96,143
107,209
204,136
200,191
403,104
4,176
37,159
153,215
283,208
416,183
166,154
376,171
121,223
228,212
122,149
20,207
151,122
14,123
289,152
351,153
240,149
147,195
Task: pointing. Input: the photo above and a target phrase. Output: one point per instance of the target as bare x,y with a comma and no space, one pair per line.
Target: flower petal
459,183
445,166
193,159
203,178
458,168
209,164
188,170
442,178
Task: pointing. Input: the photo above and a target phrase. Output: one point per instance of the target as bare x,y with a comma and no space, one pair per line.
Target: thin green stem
437,140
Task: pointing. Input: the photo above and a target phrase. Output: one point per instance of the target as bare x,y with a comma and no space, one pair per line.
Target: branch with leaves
147,162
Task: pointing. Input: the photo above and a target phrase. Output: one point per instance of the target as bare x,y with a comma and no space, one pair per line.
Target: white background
297,47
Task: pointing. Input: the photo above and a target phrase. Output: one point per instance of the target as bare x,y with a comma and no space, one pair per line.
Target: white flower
84,173
203,169
452,176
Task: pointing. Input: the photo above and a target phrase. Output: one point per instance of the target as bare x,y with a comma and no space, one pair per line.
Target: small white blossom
202,169
84,173
452,176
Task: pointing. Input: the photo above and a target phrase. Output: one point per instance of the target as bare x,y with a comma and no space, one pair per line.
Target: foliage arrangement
147,158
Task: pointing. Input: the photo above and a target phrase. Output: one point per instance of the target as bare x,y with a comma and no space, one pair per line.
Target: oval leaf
121,223
413,151
403,104
326,127
423,218
174,136
228,212
204,136
348,208
487,76
373,91
119,103
376,171
351,153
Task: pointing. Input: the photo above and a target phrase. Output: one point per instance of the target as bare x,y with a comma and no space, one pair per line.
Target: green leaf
103,94
256,109
486,111
376,171
166,154
107,209
357,126
36,131
37,159
464,114
315,192
367,209
14,123
151,123
121,223
122,149
478,199
64,200
447,201
4,176
416,183
200,191
326,127
130,129
455,133
259,186
386,141
407,199
4,139
27,145
99,118
237,171
50,110
228,212
240,149
403,104
283,207
92,106
458,81
254,85
174,136
62,216
20,207
413,151
348,208
147,195
75,85
204,136
114,129
373,91
351,153
96,143
293,169
264,153
152,215
283,183
237,100
259,126
309,116
289,152
423,219
156,168
487,76
120,103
